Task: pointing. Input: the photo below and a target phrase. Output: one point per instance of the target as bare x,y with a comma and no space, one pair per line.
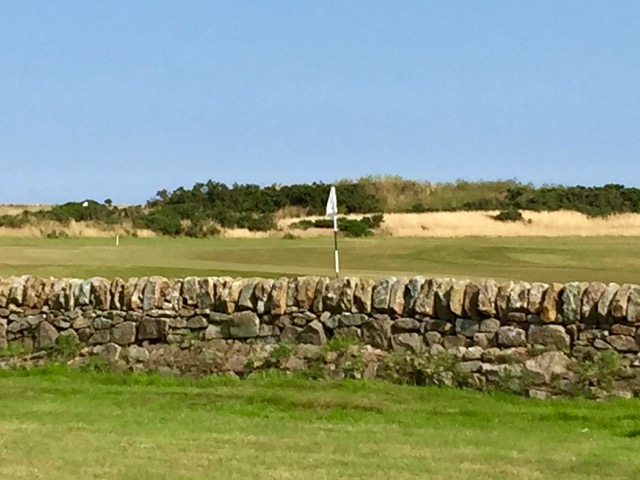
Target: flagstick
335,243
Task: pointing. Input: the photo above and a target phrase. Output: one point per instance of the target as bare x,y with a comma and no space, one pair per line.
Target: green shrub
509,215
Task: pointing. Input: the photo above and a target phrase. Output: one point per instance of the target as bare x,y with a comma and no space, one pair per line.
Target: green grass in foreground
527,258
58,424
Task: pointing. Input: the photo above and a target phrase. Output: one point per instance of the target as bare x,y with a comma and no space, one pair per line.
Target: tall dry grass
44,228
539,224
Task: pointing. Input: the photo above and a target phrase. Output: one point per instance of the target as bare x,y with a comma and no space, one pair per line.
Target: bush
510,215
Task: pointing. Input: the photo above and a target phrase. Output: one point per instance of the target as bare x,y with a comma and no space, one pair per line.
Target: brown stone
377,333
471,296
456,297
306,292
550,303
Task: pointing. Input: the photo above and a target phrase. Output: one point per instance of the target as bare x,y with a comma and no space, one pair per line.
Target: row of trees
201,210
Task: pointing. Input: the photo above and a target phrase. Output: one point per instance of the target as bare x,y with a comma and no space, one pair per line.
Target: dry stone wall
542,339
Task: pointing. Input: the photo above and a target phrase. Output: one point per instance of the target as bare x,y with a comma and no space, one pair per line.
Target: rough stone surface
487,293
363,295
124,333
313,334
442,297
377,333
633,305
620,301
244,325
550,303
549,336
396,296
412,291
425,303
519,297
512,337
456,297
548,365
46,335
153,328
381,294
606,300
278,296
408,341
572,301
467,327
590,300
536,297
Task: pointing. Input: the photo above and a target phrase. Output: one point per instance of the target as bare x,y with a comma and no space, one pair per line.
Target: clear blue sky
122,98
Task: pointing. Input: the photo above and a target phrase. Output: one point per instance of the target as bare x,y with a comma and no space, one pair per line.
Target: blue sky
122,98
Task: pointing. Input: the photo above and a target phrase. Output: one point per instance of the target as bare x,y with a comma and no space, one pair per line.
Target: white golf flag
332,203
85,204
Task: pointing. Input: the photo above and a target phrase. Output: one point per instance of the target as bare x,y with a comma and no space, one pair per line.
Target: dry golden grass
10,209
42,228
538,224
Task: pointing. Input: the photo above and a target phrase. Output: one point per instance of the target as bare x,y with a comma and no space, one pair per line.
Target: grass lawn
528,258
58,424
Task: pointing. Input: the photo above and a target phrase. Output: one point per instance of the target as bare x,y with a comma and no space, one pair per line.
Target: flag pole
335,243
332,210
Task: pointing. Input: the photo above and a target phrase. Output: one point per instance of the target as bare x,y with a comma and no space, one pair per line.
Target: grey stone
633,305
348,332
313,334
3,333
590,300
247,298
244,325
572,301
519,297
406,324
489,325
432,338
46,335
487,292
111,352
363,295
396,296
620,301
408,341
550,335
548,365
215,331
197,322
330,321
466,327
442,298
502,298
153,328
512,337
484,340
412,291
124,333
137,354
604,304
450,341
470,366
425,303
352,319
623,343
101,323
81,322
536,296
377,333
473,353
381,294
471,297
100,337
290,334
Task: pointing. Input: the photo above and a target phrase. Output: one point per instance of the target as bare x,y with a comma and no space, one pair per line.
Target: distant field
529,258
79,425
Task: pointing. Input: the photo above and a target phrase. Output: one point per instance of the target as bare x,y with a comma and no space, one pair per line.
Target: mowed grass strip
527,258
58,424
